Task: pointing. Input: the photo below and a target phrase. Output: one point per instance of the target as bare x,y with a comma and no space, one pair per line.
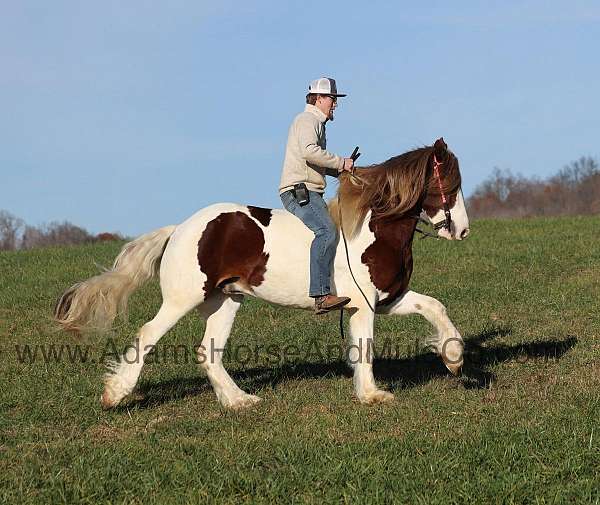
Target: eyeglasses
333,98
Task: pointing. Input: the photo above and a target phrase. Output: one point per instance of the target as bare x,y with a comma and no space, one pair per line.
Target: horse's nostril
464,233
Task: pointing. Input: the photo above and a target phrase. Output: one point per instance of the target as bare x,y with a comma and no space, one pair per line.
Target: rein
348,258
354,156
349,268
424,233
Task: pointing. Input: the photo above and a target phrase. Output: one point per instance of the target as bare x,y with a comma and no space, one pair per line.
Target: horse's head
443,193
416,181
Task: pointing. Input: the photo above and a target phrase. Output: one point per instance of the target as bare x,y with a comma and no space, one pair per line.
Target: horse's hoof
242,402
114,391
107,401
378,396
455,368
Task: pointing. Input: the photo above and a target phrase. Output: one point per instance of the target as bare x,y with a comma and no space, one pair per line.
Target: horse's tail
92,305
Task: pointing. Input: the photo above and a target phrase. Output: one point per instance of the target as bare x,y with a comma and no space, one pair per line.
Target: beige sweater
306,159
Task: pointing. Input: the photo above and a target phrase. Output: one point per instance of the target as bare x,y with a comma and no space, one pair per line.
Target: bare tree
64,233
15,234
32,237
9,231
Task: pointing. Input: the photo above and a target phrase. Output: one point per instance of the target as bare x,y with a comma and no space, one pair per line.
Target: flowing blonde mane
393,187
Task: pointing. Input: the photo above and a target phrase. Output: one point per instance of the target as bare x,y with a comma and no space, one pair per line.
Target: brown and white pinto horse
226,251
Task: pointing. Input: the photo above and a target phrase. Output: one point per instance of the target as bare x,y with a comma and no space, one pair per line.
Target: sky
128,116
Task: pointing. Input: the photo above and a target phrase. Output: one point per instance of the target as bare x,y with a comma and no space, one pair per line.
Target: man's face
327,104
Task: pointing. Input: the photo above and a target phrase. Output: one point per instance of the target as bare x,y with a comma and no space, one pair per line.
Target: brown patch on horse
395,186
389,257
262,215
232,246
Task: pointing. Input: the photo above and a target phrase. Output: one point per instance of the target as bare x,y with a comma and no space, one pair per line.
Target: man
303,183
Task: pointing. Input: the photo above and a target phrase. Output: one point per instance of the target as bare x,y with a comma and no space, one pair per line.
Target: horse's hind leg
448,344
121,380
220,311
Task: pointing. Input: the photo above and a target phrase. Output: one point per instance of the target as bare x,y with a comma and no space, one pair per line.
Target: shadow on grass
479,359
400,374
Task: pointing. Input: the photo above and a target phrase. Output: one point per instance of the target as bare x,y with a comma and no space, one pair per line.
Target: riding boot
326,303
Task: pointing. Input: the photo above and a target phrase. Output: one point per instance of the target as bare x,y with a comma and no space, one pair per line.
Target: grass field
522,425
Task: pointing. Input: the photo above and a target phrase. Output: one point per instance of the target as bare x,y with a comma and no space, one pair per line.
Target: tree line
15,234
573,190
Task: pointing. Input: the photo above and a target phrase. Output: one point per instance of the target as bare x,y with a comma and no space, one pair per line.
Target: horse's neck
386,250
396,233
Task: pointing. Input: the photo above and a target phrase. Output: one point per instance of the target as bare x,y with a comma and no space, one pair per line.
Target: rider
303,182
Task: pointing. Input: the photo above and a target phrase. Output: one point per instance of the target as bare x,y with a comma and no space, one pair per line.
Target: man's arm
312,151
348,165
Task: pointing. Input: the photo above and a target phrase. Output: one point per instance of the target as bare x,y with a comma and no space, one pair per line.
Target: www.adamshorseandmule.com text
385,348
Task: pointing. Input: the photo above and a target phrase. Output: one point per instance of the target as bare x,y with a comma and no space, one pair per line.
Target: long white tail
92,305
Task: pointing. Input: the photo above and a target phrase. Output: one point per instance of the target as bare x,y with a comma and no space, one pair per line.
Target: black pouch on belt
301,193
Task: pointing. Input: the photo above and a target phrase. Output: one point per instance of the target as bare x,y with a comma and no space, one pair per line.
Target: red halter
447,222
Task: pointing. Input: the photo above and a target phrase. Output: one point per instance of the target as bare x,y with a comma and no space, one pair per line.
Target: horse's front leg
360,358
448,343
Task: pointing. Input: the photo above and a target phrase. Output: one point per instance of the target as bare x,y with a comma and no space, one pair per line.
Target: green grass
521,426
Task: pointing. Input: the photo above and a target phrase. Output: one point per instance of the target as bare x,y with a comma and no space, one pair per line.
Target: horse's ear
440,148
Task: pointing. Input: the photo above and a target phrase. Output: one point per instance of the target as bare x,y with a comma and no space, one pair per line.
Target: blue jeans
322,250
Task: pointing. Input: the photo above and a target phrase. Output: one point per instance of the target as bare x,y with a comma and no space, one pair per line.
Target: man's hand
348,165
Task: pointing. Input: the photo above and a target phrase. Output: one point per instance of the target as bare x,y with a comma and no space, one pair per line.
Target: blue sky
127,116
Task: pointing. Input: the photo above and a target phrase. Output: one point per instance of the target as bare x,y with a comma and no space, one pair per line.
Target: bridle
447,221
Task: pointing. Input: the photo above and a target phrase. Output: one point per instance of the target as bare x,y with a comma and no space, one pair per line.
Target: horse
227,251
